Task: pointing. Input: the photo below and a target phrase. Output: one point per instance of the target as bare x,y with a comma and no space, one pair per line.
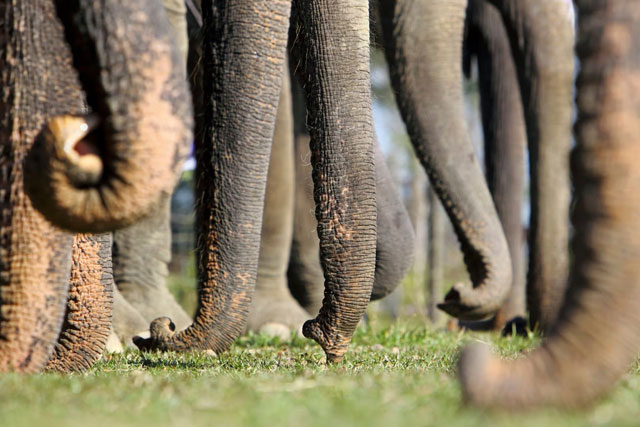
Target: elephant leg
504,139
596,338
334,53
423,46
304,275
541,35
436,255
243,55
127,321
87,321
274,310
34,277
35,257
141,254
395,244
113,344
395,241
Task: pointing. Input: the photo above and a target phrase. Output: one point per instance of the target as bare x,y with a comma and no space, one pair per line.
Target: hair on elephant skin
597,321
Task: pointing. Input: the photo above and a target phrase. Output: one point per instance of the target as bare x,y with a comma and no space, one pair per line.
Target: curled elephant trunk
596,337
107,169
423,46
504,137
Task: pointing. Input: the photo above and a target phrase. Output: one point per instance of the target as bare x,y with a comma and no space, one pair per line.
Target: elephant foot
276,314
469,304
516,327
127,321
113,344
154,302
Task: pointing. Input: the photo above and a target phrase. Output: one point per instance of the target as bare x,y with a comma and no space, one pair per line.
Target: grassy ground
394,374
391,376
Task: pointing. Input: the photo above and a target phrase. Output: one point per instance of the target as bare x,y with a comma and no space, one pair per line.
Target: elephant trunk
244,56
595,339
504,138
103,171
334,51
542,35
423,45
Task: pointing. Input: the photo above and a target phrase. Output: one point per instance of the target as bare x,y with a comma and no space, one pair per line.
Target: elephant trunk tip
518,385
87,179
161,331
70,137
489,266
334,351
472,304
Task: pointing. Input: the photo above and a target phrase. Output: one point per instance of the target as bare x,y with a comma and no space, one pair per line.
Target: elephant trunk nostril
161,331
162,327
72,138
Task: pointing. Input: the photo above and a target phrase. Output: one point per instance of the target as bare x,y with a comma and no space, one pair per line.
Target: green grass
391,376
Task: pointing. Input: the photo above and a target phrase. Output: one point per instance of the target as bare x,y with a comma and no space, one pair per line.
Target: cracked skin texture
35,258
394,239
339,121
598,320
87,322
40,82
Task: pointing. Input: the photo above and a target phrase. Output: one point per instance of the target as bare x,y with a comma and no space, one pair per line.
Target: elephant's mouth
77,139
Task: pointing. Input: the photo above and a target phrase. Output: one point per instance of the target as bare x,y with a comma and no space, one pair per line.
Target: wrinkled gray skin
395,243
540,38
58,61
423,47
233,147
141,252
273,309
